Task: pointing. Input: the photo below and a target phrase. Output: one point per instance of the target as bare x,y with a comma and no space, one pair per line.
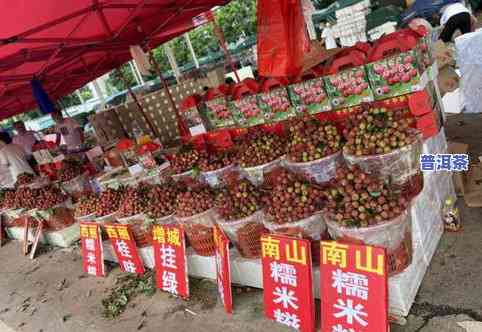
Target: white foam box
403,287
248,272
17,233
64,238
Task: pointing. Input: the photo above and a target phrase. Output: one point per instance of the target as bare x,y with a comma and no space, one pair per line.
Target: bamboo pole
222,41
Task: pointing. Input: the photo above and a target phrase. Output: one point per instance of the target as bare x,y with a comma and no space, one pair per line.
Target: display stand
427,229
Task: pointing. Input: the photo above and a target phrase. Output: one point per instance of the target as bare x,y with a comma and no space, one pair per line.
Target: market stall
344,151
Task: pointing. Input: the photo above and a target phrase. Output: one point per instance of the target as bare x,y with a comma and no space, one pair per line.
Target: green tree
161,58
116,84
237,19
85,93
70,100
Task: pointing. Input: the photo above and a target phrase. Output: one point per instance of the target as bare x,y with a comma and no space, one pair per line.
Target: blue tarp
45,104
424,9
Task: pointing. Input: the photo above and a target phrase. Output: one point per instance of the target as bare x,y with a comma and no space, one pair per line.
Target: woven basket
142,233
246,234
200,232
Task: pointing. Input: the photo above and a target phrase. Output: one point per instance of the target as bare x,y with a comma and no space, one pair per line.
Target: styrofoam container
65,237
182,176
110,218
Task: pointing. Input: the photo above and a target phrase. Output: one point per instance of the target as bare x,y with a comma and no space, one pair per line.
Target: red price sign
223,269
354,287
92,250
288,281
125,248
170,259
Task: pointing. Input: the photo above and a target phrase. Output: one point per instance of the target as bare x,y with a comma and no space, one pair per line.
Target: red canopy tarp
67,44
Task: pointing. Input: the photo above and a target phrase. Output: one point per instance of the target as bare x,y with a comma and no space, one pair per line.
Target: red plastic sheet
66,44
282,38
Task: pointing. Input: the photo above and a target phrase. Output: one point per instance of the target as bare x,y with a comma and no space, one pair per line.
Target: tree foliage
237,19
69,100
116,84
85,93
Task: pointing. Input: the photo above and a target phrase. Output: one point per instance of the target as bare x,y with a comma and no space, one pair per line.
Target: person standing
454,17
328,36
13,162
69,130
24,138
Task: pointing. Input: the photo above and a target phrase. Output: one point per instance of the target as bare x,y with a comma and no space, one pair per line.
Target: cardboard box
276,105
217,113
310,96
395,75
348,88
246,111
472,186
317,55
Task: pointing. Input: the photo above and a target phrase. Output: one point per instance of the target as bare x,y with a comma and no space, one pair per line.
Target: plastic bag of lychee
399,166
383,143
319,171
195,211
239,206
364,209
394,235
293,205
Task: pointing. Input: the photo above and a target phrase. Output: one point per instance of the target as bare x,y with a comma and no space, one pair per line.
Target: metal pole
193,54
136,67
183,130
134,73
172,62
99,94
220,34
79,95
136,101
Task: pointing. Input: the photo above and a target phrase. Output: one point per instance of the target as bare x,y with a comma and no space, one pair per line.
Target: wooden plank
25,236
38,234
2,231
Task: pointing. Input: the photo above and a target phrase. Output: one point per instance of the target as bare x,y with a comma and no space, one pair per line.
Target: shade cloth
66,44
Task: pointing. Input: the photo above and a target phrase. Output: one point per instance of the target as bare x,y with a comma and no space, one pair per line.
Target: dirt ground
51,294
